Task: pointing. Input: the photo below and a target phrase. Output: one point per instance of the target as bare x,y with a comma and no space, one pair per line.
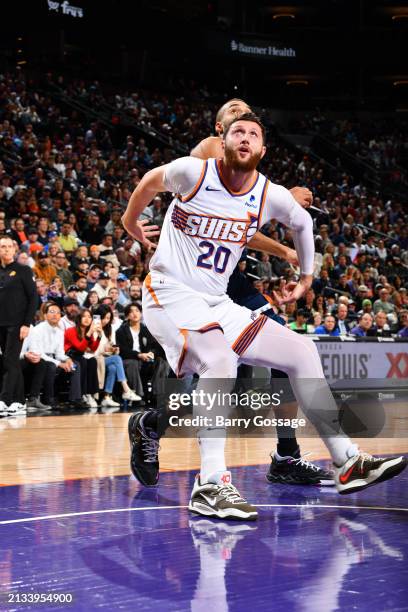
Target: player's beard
235,163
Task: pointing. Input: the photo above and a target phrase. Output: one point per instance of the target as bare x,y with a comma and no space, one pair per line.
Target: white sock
341,449
212,453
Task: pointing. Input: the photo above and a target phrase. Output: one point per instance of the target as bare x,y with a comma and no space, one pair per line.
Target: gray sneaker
34,403
220,499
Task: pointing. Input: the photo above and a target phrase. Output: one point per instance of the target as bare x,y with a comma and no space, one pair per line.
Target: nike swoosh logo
344,477
210,500
208,188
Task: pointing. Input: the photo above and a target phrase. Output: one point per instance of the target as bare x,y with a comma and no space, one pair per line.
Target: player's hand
141,231
302,195
291,257
24,331
291,292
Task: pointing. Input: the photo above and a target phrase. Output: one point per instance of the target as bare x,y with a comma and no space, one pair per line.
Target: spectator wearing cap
32,245
383,302
367,306
403,322
61,264
362,294
365,323
71,309
95,255
82,269
93,232
123,284
300,322
101,285
82,292
329,327
67,241
95,270
43,268
72,292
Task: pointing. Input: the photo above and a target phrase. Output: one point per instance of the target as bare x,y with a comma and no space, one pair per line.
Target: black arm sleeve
30,291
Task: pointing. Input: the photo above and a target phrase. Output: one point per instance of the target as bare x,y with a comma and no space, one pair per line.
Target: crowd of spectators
64,186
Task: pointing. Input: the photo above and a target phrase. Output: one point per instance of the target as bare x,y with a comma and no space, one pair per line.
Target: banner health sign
256,49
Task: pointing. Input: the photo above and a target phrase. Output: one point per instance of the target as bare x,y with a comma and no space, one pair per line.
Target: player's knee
224,363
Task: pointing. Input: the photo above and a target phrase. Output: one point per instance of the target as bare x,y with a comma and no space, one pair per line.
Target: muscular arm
151,183
260,242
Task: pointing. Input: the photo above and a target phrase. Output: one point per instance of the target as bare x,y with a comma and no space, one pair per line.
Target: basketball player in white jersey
221,204
287,465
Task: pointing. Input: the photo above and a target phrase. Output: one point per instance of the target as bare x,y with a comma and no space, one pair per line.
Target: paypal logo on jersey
251,199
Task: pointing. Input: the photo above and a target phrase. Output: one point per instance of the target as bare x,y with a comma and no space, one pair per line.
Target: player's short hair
221,111
248,117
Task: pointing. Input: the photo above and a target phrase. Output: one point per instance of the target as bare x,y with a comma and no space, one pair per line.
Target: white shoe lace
150,448
230,494
303,462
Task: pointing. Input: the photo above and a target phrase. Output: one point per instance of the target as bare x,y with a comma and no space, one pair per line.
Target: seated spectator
328,328
114,294
102,284
114,369
66,239
82,292
143,358
362,294
42,354
264,267
43,268
71,308
92,301
80,344
365,323
380,327
56,292
32,245
61,264
383,302
342,324
403,321
300,322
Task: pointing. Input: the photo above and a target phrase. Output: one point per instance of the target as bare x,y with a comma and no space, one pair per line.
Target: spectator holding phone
80,344
113,362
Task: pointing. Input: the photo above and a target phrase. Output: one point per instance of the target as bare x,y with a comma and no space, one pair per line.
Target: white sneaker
16,408
109,402
91,401
131,396
3,409
85,399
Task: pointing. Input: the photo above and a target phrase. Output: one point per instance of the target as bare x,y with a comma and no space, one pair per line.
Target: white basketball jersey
204,233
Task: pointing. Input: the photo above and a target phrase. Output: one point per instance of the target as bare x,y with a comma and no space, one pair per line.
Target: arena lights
399,17
283,16
400,82
297,82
